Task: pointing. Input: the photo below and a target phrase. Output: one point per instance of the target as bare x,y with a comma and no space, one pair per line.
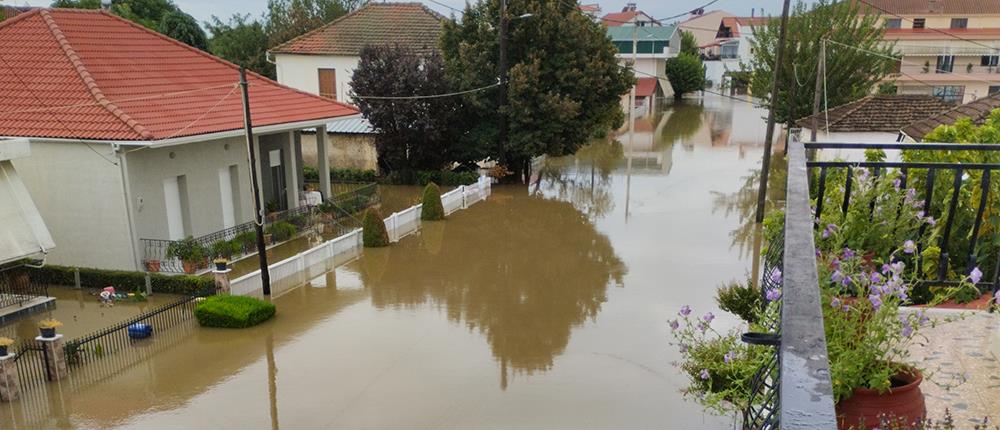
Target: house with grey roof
978,111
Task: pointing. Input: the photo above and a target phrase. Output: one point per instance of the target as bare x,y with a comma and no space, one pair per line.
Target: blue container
140,331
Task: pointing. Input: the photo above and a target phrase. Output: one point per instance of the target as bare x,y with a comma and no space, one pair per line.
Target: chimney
629,7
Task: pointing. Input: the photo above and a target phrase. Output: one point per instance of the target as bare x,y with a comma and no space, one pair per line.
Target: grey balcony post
323,162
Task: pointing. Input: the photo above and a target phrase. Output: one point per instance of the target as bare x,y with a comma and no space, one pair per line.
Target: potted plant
272,210
189,251
153,266
220,264
48,327
5,342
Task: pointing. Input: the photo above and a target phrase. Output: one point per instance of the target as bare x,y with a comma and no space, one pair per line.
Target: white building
322,61
731,50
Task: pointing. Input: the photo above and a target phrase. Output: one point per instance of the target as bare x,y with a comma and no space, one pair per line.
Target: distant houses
137,138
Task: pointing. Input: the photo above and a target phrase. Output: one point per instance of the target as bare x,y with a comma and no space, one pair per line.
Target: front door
175,214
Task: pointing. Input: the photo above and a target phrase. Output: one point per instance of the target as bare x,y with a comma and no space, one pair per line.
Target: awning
22,231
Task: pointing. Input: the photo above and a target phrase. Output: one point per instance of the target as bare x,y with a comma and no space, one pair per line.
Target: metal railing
16,287
156,252
930,174
117,337
30,360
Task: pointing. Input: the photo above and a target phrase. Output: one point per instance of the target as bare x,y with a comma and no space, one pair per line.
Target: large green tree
686,74
413,132
287,19
184,28
241,40
853,71
565,83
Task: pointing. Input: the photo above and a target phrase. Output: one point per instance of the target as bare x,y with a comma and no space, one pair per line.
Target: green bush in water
432,210
374,234
233,311
282,230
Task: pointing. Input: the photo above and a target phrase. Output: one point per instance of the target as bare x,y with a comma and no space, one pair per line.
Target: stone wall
354,151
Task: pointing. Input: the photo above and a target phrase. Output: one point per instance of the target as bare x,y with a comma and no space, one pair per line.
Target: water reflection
583,179
743,203
524,283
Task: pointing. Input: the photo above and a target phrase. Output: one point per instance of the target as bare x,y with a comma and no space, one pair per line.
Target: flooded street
543,307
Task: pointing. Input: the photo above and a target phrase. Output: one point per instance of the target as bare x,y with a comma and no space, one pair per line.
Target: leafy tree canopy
287,19
686,74
565,83
689,45
183,27
413,133
149,13
852,72
243,41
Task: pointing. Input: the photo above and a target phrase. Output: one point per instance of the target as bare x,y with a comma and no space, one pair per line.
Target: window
919,22
994,89
893,23
950,93
328,83
730,51
960,23
945,64
990,60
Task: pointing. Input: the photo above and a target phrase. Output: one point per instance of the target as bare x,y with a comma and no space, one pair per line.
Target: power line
430,96
445,5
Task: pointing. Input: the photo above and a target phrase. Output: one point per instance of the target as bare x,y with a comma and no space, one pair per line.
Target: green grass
233,311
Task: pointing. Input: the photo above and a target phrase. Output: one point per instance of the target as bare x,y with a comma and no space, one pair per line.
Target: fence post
461,190
222,285
55,358
10,383
76,277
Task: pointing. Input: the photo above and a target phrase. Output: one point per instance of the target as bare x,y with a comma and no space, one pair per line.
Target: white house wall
81,199
199,163
301,72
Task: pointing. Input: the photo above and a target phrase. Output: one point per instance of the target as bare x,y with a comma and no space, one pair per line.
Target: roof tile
880,113
978,111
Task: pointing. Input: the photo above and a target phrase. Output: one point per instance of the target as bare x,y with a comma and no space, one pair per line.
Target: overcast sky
202,10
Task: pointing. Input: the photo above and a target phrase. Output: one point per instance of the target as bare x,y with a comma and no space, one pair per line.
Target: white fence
294,271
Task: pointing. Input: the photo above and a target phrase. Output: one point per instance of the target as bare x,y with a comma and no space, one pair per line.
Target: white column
292,186
324,162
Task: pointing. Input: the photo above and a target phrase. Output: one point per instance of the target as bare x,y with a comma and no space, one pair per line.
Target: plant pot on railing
220,264
47,327
866,408
191,253
153,266
5,342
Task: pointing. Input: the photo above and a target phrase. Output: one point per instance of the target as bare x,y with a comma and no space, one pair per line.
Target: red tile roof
616,19
925,7
87,74
408,24
646,87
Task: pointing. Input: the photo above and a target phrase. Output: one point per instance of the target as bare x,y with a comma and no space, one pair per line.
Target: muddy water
542,308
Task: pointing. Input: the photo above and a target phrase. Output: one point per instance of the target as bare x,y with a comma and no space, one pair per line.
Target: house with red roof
629,16
136,137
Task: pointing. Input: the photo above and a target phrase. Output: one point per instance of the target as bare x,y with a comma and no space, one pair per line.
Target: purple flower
911,193
901,293
835,303
729,357
674,325
830,228
897,267
708,318
826,233
907,327
876,301
837,276
930,220
897,183
909,247
685,310
848,253
704,374
875,277
920,214
702,327
773,294
835,263
776,276
975,276
863,175
683,348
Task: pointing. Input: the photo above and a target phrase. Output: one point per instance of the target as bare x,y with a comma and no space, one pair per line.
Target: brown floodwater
544,307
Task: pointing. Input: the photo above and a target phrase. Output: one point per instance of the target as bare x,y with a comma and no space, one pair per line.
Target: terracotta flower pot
865,408
153,265
190,267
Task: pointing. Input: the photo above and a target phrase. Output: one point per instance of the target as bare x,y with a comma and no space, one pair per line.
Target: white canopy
22,231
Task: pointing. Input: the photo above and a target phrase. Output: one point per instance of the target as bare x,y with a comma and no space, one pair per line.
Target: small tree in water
432,210
686,74
374,233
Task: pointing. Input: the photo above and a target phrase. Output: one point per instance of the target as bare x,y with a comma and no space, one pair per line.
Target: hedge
311,174
424,177
233,311
123,280
373,232
432,209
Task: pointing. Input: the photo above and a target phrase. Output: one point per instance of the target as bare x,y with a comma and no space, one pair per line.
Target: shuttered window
328,83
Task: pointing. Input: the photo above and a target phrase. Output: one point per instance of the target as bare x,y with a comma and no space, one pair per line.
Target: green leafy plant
742,300
432,209
187,250
374,233
245,242
122,279
281,230
352,175
686,74
233,311
226,249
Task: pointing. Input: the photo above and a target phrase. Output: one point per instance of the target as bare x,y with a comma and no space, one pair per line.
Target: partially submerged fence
299,269
16,287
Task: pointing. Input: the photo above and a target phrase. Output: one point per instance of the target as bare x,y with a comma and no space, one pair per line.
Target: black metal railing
126,334
16,287
961,243
239,240
30,359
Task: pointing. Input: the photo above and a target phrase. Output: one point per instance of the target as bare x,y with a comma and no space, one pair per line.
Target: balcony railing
793,390
157,256
17,287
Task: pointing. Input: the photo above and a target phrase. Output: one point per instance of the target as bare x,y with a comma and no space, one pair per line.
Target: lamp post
504,68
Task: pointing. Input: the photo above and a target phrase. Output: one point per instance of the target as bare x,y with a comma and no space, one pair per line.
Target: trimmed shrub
742,300
124,280
374,233
281,230
233,311
432,210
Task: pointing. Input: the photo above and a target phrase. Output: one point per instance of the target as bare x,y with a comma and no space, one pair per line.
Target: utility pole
778,60
820,74
258,218
502,63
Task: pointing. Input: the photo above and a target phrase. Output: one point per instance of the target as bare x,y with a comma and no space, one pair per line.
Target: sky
203,10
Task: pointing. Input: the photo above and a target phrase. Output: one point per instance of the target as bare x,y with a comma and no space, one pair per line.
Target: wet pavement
544,307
